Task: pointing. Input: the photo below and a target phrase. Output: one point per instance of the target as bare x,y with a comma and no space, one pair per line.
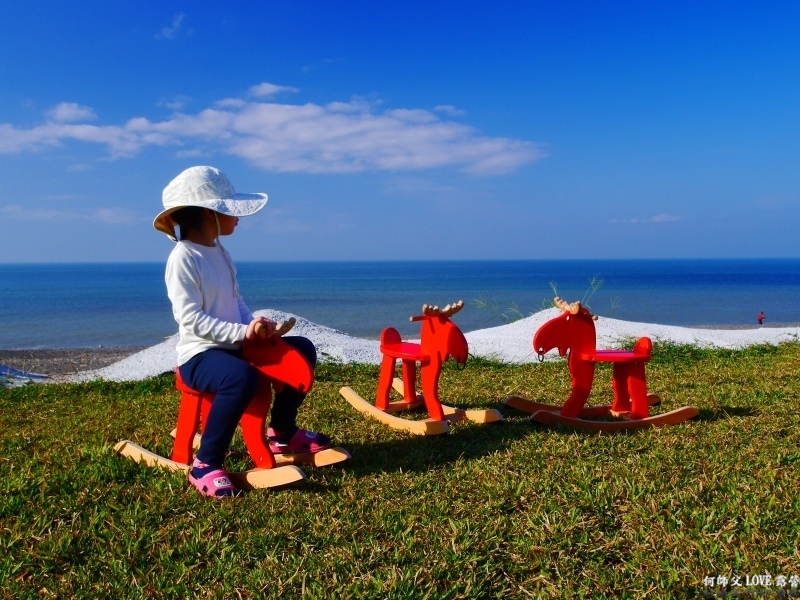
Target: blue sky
405,130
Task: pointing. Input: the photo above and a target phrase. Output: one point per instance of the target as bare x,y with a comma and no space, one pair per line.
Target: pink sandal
214,484
302,442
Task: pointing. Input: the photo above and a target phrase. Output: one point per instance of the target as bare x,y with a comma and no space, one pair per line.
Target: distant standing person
761,318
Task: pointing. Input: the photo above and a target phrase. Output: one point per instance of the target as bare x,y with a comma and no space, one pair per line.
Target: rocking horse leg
253,423
382,398
429,380
582,374
637,387
410,381
188,420
619,383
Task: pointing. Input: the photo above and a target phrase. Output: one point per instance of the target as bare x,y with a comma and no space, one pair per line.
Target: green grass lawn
509,510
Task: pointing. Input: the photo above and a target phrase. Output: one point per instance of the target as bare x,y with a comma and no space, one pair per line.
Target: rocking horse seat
642,352
403,350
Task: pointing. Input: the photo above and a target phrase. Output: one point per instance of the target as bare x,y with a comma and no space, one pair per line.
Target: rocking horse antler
573,308
435,311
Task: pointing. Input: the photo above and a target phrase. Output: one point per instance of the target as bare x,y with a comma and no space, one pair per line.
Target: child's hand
259,328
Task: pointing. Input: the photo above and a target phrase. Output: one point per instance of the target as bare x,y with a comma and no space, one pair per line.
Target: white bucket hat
205,187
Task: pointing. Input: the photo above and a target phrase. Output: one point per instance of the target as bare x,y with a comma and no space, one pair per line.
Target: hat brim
240,205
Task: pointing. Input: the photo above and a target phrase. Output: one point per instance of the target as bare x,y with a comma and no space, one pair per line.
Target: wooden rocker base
425,427
489,415
587,412
679,415
251,479
323,458
550,414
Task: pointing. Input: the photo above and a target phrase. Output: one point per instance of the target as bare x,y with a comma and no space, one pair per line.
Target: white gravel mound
509,343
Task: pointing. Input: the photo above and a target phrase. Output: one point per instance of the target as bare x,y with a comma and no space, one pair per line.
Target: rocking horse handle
281,328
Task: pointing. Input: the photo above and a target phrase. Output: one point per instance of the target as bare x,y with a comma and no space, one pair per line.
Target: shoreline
64,361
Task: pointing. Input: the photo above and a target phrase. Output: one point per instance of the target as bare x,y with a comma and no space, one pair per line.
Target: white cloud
110,216
339,137
78,167
665,218
171,31
189,153
780,201
412,115
283,222
63,197
267,90
229,103
450,110
176,103
662,218
70,112
17,212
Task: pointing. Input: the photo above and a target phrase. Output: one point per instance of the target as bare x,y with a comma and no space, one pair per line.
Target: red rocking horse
440,338
279,364
574,330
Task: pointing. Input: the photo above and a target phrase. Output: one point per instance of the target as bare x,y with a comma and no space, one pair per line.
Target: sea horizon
413,260
75,305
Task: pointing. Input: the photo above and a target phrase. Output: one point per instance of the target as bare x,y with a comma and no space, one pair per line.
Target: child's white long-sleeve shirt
210,312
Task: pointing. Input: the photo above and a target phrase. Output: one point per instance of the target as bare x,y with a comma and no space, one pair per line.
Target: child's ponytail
188,219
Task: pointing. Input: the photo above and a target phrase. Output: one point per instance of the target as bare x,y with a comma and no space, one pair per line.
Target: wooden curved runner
679,415
323,458
424,427
251,479
550,414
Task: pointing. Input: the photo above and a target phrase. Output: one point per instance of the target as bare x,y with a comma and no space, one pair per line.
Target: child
214,322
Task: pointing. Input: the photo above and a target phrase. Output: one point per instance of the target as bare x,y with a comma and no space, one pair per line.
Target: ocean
125,304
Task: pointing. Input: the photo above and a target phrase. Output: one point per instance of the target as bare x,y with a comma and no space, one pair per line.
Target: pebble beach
509,343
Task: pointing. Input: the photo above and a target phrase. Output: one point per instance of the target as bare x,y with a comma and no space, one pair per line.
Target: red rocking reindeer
280,364
574,330
440,338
